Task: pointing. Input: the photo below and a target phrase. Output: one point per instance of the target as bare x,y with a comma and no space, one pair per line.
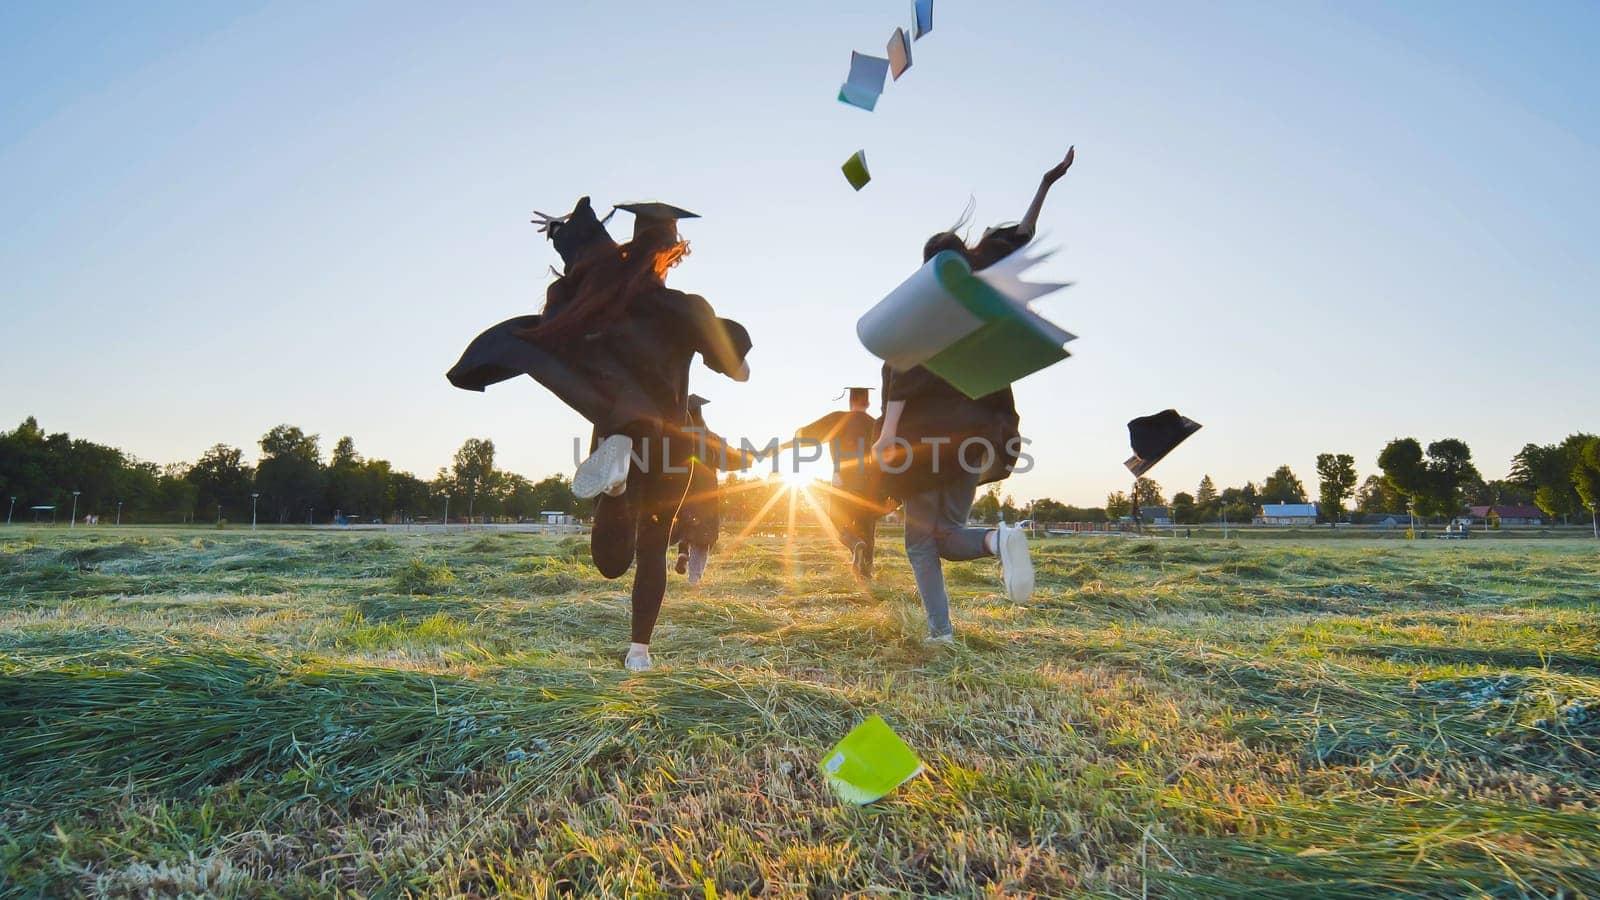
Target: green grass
315,713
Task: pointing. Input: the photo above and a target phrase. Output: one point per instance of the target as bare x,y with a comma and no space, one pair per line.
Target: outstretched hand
1060,168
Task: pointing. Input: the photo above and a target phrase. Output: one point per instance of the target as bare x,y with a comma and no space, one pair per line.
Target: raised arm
1030,221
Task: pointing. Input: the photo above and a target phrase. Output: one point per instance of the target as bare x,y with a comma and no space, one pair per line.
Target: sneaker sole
598,473
1017,565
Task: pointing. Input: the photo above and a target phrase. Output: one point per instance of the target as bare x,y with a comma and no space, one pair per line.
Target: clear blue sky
1312,227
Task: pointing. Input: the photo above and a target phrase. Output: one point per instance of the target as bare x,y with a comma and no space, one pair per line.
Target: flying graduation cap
1153,437
656,220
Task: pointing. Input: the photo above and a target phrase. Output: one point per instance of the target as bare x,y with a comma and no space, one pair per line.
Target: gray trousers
936,528
698,554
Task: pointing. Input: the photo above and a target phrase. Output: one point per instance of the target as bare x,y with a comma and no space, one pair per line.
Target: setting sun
797,480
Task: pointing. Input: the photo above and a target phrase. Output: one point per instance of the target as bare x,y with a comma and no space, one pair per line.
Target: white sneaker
940,639
637,662
606,469
1015,563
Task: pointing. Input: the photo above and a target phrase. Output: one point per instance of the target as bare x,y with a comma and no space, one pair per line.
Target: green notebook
963,327
855,170
869,762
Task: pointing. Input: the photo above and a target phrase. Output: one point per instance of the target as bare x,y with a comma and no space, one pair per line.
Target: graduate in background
855,504
616,344
699,520
931,480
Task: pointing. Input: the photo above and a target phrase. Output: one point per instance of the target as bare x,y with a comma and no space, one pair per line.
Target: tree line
1436,483
290,482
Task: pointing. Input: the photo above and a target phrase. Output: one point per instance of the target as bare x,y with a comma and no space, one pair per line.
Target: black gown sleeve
997,244
722,343
822,429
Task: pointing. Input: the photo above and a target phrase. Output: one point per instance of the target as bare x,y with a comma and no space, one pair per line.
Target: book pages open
977,335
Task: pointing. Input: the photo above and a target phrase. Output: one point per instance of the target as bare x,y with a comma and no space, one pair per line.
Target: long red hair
597,290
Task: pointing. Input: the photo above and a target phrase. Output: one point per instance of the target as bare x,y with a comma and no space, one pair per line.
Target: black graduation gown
936,410
848,435
628,376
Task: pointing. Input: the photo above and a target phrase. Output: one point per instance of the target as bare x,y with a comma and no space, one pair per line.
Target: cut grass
320,713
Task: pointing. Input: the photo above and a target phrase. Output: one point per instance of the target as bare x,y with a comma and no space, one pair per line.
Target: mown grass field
309,713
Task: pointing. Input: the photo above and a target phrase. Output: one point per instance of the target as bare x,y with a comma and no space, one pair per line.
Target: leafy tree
1238,504
1405,469
1337,477
1148,493
344,479
220,477
289,476
986,508
1118,506
474,469
1009,511
1546,471
1206,494
409,496
1376,496
1046,509
1586,479
1184,509
1283,486
1450,463
176,494
1433,482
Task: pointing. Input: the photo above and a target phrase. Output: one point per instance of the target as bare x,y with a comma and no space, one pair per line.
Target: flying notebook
899,53
865,84
974,330
924,19
855,170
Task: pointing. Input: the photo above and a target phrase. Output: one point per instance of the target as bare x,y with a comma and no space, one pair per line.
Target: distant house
1288,514
1155,515
1508,514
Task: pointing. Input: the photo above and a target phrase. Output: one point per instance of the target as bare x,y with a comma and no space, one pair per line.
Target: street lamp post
11,510
446,512
119,513
1224,508
219,514
73,523
253,498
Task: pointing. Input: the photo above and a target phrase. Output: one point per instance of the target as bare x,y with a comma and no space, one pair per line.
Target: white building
1287,514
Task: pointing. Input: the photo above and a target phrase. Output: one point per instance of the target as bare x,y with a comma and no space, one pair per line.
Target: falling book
855,170
865,84
974,330
899,53
923,10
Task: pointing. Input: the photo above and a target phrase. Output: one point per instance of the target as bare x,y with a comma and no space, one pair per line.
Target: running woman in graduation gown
855,503
919,447
616,345
642,474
